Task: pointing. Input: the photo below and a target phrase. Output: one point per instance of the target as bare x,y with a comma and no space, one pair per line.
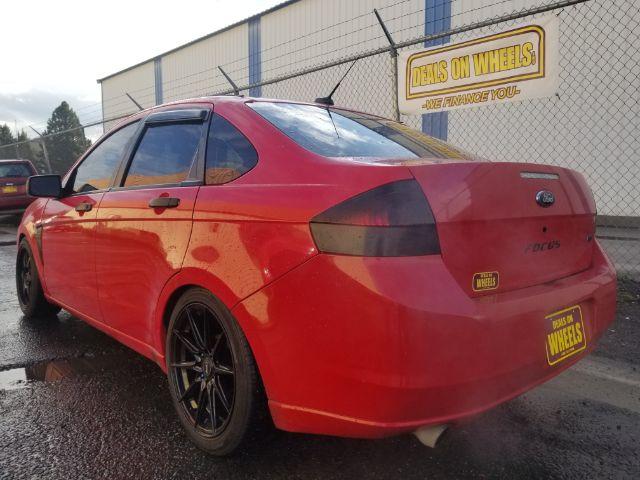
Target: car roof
15,160
240,99
230,99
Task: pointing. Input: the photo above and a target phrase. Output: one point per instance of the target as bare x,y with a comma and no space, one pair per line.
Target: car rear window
15,170
332,132
229,153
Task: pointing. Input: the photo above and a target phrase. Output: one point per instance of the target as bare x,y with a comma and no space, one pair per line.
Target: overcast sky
55,50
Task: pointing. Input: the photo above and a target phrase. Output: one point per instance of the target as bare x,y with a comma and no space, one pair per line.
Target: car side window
165,154
229,153
98,169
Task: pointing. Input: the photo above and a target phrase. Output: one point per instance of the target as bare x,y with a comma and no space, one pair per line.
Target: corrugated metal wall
567,129
139,82
306,33
297,36
313,32
192,71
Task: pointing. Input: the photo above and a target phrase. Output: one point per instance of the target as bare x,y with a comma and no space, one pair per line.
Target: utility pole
43,141
15,126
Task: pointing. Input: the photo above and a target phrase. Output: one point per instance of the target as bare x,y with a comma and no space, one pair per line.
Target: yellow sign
565,334
511,65
485,281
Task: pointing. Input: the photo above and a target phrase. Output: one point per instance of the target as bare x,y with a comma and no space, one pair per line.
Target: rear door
144,223
69,225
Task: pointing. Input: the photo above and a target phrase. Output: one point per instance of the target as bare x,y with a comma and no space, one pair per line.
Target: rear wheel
213,378
30,295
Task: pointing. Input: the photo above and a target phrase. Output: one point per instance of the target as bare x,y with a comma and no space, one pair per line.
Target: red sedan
13,178
337,272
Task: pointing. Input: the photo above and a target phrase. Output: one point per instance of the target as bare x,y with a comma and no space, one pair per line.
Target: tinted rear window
229,153
332,132
15,170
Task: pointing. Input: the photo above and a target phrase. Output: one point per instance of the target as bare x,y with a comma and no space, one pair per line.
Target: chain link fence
591,125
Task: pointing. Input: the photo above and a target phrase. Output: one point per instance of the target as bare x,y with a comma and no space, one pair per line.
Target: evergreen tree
65,148
31,150
6,138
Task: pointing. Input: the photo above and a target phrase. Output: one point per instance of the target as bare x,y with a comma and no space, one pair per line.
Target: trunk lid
11,186
494,234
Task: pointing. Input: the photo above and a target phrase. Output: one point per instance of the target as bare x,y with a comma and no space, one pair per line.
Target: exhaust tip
430,434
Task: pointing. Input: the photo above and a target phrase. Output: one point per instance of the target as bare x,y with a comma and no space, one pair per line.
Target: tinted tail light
393,220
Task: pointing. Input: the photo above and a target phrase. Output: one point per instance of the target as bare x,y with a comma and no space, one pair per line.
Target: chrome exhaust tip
430,434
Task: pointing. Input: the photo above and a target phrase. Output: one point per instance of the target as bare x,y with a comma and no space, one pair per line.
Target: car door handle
164,202
84,207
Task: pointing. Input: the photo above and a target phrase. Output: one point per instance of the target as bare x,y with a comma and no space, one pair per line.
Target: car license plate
565,334
9,189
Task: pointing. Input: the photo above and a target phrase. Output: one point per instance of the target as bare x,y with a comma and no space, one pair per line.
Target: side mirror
45,186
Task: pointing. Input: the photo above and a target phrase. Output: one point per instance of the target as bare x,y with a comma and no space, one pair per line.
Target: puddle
47,372
12,379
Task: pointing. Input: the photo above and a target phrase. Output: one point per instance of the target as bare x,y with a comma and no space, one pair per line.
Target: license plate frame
565,334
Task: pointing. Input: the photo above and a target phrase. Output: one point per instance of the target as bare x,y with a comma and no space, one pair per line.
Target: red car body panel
488,207
345,345
68,245
388,345
138,249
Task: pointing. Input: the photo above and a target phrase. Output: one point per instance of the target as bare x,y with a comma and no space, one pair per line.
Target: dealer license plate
565,334
9,189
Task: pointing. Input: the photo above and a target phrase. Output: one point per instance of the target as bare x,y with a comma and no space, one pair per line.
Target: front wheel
213,378
30,295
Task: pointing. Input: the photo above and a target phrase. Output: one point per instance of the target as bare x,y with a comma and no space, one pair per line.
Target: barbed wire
108,103
345,59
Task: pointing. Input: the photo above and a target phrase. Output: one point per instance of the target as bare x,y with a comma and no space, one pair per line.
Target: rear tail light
393,220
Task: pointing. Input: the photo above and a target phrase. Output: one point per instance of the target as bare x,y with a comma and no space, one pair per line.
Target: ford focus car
333,271
13,178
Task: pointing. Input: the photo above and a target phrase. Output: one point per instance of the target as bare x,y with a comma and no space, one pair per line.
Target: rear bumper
370,347
14,204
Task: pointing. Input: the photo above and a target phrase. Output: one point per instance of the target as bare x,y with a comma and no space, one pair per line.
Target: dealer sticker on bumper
565,334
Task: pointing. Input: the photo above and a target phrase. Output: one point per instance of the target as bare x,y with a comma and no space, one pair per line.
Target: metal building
291,36
591,125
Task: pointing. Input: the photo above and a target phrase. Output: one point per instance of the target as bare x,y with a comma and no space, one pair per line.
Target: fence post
394,59
43,142
134,101
236,90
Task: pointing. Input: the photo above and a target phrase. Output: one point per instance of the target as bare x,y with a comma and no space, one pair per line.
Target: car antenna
236,91
332,122
328,100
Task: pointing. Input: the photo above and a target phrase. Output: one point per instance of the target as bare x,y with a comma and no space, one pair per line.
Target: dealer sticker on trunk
565,334
485,281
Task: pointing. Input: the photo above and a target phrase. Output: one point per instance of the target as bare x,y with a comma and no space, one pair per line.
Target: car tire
30,294
209,362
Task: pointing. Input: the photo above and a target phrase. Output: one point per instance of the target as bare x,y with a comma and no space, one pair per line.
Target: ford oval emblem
545,198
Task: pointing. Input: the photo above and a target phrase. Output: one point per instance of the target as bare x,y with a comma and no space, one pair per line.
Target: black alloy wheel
30,294
213,379
203,369
24,276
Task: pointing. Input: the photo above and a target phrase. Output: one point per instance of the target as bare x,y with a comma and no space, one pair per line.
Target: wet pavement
76,404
